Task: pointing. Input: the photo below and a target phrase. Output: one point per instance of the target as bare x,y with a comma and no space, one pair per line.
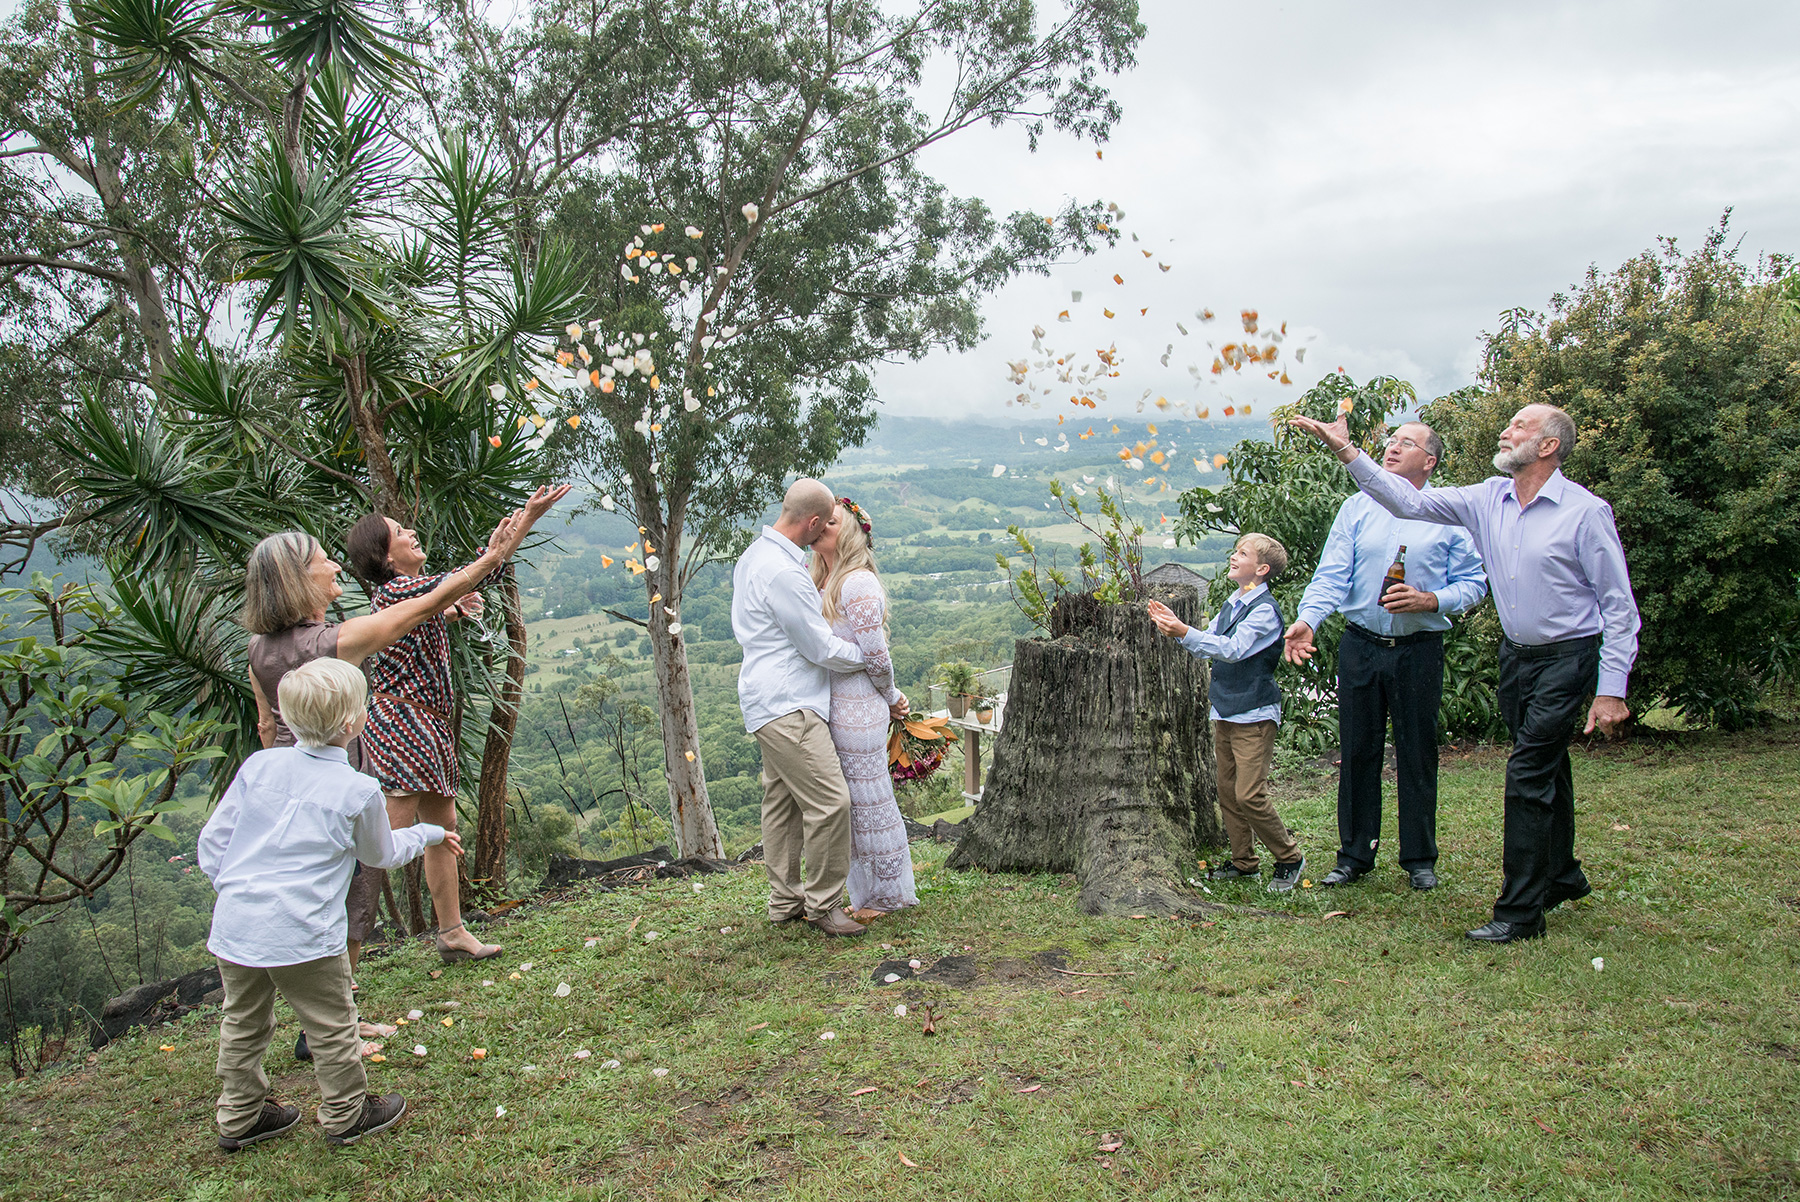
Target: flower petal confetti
663,1072
751,213
564,989
415,1015
418,1049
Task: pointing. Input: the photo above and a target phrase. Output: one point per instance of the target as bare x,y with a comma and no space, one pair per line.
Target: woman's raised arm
363,636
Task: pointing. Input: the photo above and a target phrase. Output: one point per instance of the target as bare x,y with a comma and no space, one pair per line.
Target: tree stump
1104,766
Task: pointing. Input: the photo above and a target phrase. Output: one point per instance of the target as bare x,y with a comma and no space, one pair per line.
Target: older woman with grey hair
290,583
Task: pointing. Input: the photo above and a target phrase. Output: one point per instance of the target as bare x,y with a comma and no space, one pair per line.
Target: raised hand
453,841
1298,643
1166,621
543,499
1335,436
469,607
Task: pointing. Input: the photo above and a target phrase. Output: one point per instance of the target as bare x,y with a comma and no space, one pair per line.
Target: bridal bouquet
917,746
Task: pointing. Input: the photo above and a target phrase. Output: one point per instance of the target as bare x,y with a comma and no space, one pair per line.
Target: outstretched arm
1445,506
361,637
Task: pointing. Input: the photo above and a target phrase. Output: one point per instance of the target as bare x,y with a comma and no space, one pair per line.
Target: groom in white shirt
784,688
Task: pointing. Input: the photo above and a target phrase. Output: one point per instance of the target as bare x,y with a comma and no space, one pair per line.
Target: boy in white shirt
280,850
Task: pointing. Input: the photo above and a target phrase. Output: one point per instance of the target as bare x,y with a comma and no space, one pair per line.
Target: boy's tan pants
806,808
319,993
1243,751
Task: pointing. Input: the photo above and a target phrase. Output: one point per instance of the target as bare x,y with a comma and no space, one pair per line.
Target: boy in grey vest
1244,644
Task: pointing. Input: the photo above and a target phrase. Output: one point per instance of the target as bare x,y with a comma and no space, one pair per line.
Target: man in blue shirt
1391,659
1558,572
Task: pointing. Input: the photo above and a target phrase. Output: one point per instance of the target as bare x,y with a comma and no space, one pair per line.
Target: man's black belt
1552,650
1394,640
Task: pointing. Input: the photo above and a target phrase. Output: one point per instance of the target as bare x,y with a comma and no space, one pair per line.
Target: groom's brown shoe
834,922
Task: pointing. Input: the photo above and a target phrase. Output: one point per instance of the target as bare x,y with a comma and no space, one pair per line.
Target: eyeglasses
1405,444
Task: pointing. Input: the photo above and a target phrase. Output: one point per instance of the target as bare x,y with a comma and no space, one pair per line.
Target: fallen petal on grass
564,989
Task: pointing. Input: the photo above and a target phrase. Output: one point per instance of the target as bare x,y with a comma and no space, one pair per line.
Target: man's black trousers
1542,692
1376,682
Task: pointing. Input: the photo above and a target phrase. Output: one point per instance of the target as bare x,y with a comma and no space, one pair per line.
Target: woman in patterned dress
409,745
881,876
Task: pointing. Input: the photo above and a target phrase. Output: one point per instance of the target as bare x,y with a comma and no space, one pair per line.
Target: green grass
1371,1055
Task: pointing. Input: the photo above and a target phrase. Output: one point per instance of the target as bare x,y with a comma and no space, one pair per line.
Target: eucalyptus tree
761,233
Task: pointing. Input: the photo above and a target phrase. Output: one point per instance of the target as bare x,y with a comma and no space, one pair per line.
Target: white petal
608,504
497,391
751,212
675,628
659,1072
564,989
499,1112
652,562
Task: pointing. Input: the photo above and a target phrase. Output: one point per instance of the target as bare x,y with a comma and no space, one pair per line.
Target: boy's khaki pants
806,809
1243,751
319,992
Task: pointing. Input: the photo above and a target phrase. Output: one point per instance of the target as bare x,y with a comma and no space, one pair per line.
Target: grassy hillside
1355,1046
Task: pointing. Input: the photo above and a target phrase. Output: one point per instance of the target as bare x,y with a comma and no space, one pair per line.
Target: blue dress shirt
1556,565
1364,540
1253,634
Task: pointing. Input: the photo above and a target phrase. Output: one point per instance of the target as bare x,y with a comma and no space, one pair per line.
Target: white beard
1522,456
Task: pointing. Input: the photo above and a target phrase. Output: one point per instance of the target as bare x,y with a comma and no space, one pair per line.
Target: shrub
1682,373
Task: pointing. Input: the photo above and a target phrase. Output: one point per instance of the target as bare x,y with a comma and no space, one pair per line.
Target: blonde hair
1267,551
321,698
855,553
279,589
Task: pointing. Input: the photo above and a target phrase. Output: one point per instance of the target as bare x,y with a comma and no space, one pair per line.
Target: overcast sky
1386,177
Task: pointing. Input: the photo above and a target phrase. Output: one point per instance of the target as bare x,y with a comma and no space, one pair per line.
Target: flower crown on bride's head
862,519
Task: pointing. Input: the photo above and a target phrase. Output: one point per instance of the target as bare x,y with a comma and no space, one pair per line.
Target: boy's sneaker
1228,872
274,1120
378,1114
1287,875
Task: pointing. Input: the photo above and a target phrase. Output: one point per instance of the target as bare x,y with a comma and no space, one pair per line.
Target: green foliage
85,767
1287,489
1681,375
1114,575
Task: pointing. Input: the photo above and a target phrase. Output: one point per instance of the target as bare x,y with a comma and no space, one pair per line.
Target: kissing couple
817,691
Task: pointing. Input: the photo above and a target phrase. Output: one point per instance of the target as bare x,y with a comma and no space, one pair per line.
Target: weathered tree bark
1104,766
490,800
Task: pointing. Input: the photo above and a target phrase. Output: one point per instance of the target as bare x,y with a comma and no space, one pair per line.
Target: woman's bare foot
370,1030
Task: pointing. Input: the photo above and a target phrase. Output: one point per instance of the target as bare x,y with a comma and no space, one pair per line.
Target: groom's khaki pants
806,810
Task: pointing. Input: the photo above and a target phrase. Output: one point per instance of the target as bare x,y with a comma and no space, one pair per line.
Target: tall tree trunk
696,830
1104,766
490,812
366,420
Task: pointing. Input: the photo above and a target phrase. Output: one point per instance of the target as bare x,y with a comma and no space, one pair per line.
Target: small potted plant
959,686
984,710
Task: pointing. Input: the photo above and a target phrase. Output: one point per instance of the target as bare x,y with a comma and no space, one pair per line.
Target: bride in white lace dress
881,876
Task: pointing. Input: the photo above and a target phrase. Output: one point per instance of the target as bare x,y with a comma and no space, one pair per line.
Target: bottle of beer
1396,574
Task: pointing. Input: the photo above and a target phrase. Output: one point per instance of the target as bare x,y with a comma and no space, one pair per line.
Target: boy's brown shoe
274,1120
378,1114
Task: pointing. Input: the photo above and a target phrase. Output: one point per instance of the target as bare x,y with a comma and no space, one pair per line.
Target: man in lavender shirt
1557,571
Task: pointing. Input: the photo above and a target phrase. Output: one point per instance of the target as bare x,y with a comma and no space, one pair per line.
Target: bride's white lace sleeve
865,605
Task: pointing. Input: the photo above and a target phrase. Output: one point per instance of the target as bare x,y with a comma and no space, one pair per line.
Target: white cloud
1390,175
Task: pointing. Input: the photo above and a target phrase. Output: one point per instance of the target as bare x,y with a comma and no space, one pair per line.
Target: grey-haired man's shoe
274,1120
1287,876
378,1114
1423,878
1342,875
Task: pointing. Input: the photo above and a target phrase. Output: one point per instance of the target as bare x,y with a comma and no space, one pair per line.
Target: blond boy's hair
1267,551
321,698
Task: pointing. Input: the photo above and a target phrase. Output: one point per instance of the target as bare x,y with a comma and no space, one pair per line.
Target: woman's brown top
273,656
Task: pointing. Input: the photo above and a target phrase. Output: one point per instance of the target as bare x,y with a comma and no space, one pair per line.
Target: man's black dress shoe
301,1051
1342,876
1423,878
1557,896
1507,932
